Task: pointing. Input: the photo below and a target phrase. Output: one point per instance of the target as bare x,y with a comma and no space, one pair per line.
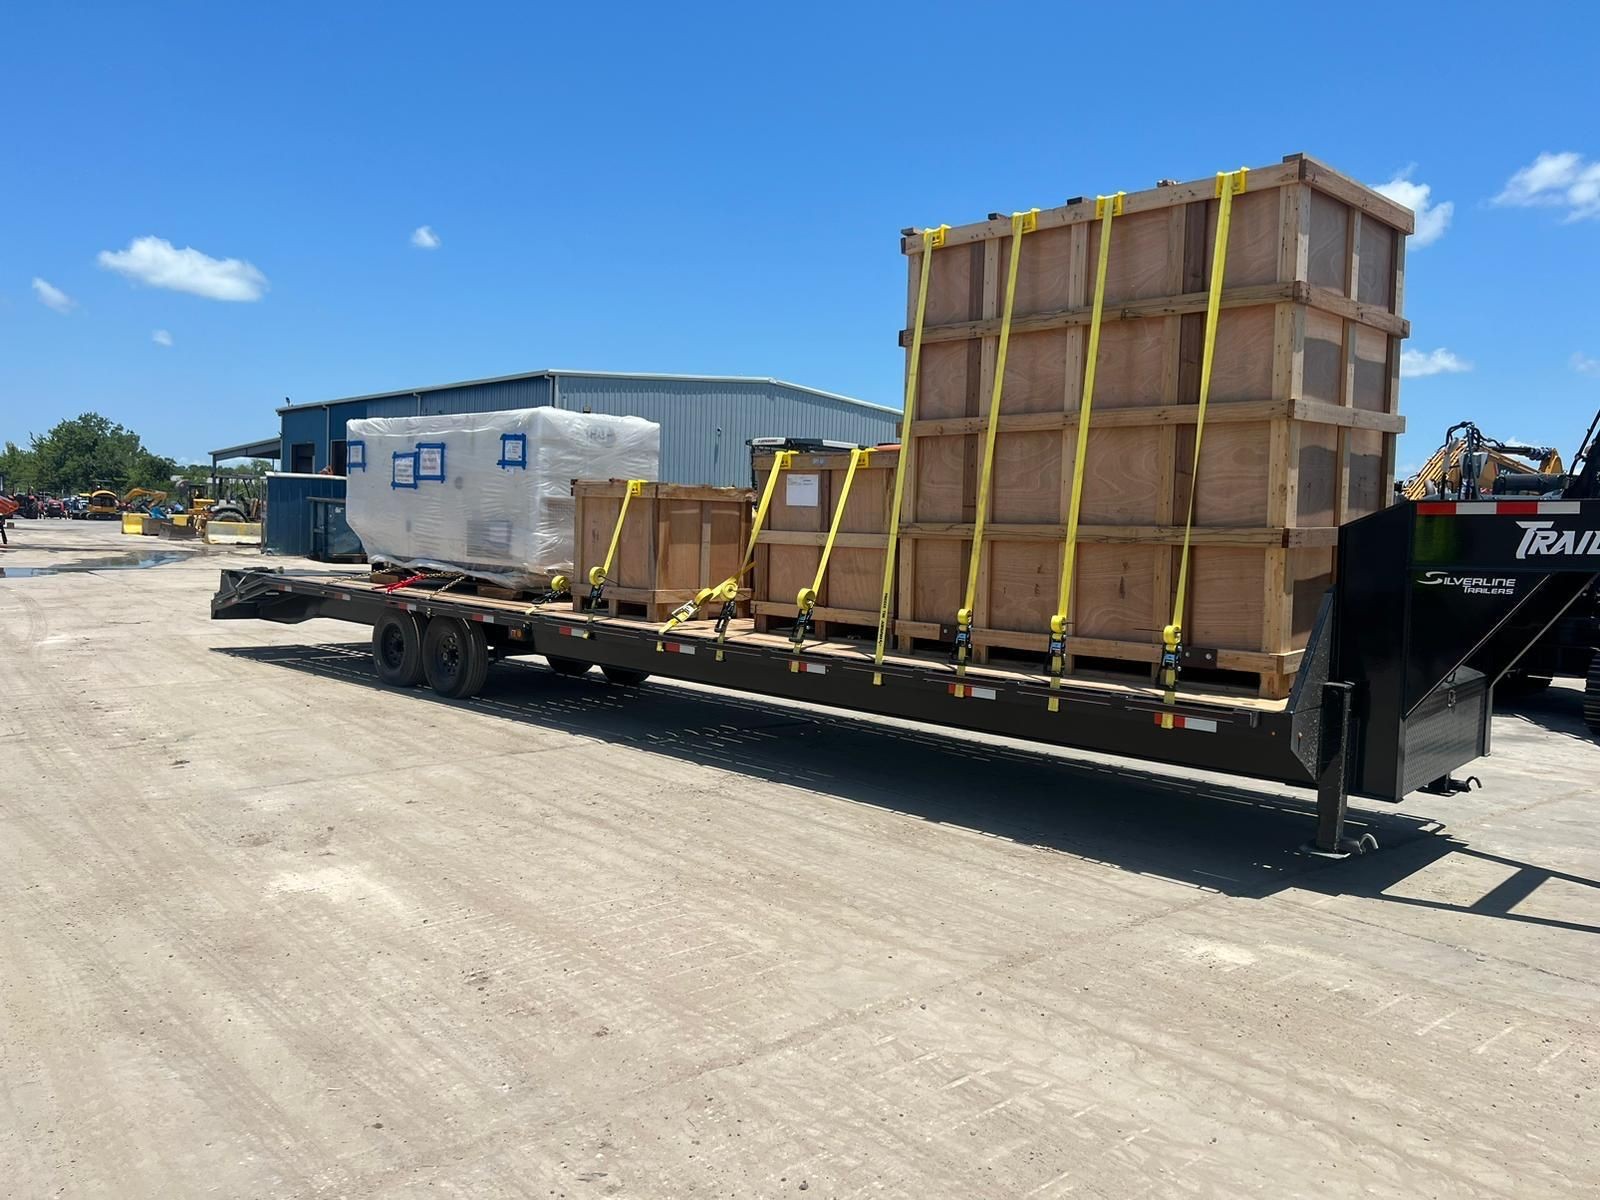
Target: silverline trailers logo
1472,585
1542,538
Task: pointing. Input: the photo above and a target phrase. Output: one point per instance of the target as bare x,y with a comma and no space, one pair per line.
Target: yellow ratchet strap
1021,223
728,590
1229,183
932,239
599,575
806,599
1105,208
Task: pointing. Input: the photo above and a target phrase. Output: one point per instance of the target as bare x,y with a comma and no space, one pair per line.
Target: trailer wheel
1591,695
623,677
397,649
455,657
567,666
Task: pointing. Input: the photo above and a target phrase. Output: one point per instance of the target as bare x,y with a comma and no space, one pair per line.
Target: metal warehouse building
705,421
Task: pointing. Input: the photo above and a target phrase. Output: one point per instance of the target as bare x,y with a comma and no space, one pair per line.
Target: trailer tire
568,666
397,649
1591,695
455,657
624,677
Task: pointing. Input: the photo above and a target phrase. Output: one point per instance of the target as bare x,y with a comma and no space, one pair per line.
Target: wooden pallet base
1269,676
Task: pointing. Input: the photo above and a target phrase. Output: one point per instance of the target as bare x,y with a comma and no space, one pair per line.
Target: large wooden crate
676,539
1299,435
789,545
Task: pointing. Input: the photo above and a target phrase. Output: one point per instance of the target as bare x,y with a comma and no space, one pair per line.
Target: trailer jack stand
1449,785
1333,780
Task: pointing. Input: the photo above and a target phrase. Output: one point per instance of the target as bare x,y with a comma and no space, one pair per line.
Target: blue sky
720,189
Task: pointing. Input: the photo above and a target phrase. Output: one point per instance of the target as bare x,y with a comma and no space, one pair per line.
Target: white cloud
1432,219
52,297
161,337
1584,365
1416,364
1562,180
155,261
424,238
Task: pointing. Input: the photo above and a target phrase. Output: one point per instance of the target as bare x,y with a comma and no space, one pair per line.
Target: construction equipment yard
273,930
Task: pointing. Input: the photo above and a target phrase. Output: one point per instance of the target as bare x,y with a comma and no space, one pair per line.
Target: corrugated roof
441,387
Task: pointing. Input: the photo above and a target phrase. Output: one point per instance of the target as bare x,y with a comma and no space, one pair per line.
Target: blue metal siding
489,397
305,425
705,425
288,523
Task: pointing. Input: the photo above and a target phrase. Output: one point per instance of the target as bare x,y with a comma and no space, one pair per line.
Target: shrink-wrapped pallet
487,494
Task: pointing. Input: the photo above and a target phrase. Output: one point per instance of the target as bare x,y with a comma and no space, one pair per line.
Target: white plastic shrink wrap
487,494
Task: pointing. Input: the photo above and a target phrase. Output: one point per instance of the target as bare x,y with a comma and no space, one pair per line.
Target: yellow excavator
1469,463
142,500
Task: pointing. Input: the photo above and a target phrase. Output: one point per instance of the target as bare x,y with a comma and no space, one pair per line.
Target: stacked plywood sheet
1299,435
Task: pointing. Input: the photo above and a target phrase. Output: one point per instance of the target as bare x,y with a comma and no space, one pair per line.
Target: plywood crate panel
789,545
676,539
1299,434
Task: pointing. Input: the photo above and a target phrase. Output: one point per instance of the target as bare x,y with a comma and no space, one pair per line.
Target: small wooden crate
1299,434
676,539
790,543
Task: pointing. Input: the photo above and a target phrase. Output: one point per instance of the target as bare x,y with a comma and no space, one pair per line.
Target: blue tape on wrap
425,452
513,451
403,471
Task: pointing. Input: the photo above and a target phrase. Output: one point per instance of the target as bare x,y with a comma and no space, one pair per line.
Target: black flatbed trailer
1432,603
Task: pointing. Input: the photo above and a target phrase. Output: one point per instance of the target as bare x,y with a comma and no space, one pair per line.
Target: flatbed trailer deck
1432,603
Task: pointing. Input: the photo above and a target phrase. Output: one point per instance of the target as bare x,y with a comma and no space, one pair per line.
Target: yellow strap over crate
1229,183
1105,208
728,590
932,239
599,575
806,599
1021,223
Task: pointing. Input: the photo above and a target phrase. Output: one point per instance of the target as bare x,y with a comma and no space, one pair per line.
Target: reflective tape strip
1198,724
676,648
1500,508
801,667
576,631
968,692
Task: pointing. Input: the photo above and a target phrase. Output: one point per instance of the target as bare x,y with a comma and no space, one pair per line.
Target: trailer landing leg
1334,780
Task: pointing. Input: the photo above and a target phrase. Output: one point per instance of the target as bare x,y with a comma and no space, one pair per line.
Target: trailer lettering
1541,537
1472,585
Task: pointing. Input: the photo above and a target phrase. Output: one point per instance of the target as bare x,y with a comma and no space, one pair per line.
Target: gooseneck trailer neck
1432,603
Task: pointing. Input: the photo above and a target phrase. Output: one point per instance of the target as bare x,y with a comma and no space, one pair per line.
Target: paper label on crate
801,491
405,470
430,462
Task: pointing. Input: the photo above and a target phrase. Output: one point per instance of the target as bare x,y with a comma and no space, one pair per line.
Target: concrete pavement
272,930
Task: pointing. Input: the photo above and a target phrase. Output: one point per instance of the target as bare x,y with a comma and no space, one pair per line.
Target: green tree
91,451
17,468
